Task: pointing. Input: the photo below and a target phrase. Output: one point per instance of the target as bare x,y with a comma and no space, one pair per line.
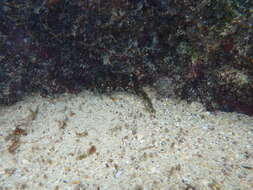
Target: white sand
112,142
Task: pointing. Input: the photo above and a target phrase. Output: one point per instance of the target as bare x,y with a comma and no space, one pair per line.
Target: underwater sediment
195,50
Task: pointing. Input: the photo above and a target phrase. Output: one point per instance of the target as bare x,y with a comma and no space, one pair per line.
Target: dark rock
196,50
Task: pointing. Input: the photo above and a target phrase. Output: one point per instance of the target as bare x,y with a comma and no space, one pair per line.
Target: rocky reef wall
199,50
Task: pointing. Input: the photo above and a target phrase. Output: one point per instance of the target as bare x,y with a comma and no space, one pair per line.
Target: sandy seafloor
107,142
